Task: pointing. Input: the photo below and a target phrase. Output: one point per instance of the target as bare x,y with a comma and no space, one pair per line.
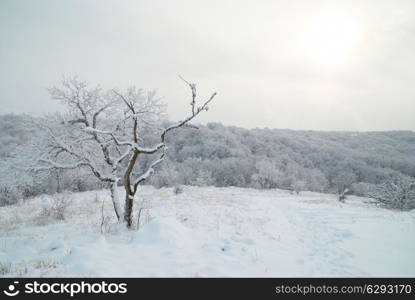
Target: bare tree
103,131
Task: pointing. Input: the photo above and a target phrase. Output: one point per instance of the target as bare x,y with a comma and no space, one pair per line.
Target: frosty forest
276,153
380,165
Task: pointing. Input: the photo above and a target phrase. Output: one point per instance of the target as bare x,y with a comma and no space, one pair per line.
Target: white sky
325,65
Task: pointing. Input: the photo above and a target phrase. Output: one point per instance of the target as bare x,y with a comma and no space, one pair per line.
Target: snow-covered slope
211,232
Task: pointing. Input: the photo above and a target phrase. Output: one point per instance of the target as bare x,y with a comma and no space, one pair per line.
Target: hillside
311,156
218,155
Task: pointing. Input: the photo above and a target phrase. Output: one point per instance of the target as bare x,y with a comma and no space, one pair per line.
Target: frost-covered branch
162,145
186,121
203,107
149,171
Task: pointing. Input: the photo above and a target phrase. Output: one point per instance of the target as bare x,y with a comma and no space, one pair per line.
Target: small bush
178,190
105,220
8,195
5,268
56,208
45,264
398,193
142,215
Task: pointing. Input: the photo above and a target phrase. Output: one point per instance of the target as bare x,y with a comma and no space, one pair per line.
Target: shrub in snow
56,208
8,195
178,190
398,193
105,220
143,216
5,268
45,264
60,203
298,186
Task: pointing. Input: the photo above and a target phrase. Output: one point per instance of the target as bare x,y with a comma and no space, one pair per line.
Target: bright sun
331,40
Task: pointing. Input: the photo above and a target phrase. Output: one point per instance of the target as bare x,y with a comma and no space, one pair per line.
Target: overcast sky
322,65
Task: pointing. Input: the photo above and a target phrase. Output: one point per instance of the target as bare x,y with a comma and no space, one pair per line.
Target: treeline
221,155
299,160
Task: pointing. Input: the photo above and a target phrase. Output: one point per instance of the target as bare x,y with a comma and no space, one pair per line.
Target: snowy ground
210,232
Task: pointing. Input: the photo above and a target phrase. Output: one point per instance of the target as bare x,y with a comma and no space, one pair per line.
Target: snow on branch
150,170
203,107
193,89
162,145
43,164
132,144
54,165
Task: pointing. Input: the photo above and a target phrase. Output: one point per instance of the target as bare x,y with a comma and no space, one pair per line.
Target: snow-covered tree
398,193
103,132
268,176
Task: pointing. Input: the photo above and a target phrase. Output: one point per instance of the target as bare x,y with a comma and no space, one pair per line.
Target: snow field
210,232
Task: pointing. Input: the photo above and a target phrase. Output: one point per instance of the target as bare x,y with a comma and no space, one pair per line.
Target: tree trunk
58,182
115,200
342,196
129,190
128,210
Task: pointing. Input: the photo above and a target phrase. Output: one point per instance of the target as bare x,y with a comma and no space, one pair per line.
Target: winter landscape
103,175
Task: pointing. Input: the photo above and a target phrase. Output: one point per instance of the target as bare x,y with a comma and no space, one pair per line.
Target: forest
219,155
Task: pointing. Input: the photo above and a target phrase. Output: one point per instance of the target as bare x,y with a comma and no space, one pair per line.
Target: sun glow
331,40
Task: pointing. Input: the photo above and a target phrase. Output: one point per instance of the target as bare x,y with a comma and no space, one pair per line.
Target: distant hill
264,158
225,150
